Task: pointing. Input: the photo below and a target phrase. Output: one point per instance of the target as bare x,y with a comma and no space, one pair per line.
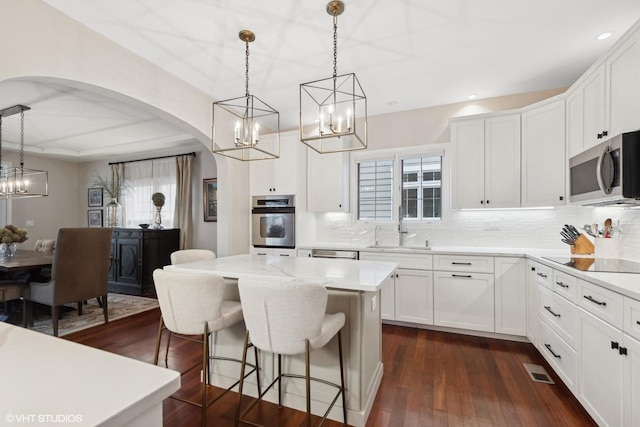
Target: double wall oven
273,222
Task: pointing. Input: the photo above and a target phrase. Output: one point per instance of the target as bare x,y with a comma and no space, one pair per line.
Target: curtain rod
153,158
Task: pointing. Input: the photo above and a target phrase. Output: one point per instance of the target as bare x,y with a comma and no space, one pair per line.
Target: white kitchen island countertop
333,273
51,381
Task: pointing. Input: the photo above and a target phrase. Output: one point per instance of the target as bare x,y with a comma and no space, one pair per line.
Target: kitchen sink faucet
402,229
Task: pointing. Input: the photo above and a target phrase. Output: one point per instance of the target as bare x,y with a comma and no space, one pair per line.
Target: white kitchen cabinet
487,162
622,67
574,128
559,354
532,302
277,176
631,382
327,182
543,154
601,365
273,252
414,296
463,300
510,296
595,126
409,296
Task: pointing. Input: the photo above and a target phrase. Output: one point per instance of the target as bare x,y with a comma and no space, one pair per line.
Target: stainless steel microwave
608,173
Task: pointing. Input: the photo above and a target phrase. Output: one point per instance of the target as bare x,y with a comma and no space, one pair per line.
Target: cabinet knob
561,198
487,202
482,202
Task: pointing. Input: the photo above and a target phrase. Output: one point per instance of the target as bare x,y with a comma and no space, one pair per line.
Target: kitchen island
354,288
51,381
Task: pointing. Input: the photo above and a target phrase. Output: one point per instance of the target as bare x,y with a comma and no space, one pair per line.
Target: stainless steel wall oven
273,222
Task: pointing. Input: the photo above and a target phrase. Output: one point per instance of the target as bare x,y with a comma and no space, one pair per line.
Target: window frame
442,150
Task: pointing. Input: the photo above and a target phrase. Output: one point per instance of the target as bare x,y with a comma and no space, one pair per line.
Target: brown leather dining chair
79,272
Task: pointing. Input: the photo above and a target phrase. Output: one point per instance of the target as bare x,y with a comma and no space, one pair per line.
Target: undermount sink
400,248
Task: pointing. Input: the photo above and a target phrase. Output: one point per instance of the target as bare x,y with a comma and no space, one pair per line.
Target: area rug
119,306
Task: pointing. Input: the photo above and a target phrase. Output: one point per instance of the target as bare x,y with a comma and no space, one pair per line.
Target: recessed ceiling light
472,96
604,35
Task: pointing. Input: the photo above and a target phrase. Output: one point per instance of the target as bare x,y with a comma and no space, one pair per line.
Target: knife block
582,246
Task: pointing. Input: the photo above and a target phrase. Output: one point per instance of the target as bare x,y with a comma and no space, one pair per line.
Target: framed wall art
210,196
94,218
95,197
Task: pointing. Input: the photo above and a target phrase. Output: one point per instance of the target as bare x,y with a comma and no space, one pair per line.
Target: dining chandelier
333,111
245,128
20,182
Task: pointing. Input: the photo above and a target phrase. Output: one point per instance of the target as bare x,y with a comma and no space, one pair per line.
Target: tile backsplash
518,228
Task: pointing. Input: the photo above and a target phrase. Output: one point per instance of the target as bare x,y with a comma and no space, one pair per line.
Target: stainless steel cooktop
602,265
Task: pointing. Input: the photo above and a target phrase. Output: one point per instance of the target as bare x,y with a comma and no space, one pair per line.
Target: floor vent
538,374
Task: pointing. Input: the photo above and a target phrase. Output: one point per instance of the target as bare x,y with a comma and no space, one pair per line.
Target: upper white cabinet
277,176
623,68
543,154
327,182
487,162
604,101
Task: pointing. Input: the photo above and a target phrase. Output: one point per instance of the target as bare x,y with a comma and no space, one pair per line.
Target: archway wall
38,41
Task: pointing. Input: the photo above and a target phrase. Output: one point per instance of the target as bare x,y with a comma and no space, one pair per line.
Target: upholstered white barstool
193,305
191,255
289,318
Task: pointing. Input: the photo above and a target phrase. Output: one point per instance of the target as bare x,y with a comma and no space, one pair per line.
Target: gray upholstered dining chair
191,255
289,318
80,271
192,305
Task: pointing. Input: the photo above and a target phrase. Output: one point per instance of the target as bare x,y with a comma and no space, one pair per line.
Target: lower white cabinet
532,303
559,354
631,382
273,251
388,298
601,366
414,296
463,300
510,296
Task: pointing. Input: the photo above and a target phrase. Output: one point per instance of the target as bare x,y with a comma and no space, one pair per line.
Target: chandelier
20,182
245,128
333,111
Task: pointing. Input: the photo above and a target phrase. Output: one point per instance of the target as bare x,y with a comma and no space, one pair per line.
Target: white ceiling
407,54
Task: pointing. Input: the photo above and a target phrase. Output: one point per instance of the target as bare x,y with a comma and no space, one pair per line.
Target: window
419,190
421,187
375,190
143,179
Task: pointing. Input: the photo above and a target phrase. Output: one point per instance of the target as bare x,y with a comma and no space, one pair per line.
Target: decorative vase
8,250
114,214
158,220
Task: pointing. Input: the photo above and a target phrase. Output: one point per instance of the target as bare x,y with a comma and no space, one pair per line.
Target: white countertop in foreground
333,273
51,381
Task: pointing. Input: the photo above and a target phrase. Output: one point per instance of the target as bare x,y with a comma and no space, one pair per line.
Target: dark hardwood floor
430,379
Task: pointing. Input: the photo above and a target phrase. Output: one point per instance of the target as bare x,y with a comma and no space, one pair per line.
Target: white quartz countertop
333,273
44,376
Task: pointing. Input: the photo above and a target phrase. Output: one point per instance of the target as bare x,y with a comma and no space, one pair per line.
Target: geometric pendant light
245,128
333,111
20,182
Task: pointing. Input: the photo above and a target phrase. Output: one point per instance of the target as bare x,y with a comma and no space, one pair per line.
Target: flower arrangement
109,186
12,234
158,200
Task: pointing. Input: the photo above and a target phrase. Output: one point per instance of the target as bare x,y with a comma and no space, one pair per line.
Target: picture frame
210,199
95,197
94,218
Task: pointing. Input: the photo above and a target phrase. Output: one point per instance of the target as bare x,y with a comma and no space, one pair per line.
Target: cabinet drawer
565,285
632,317
559,314
559,354
603,303
476,264
408,261
544,275
127,233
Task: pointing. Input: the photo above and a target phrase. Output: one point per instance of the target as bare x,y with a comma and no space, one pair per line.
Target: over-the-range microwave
608,173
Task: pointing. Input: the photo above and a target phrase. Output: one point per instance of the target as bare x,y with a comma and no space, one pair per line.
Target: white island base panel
362,351
51,381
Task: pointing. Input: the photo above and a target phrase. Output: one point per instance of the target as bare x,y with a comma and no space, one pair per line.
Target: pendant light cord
335,45
246,55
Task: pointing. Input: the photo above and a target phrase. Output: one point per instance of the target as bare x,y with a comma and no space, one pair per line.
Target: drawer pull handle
544,276
460,263
638,322
595,301
462,275
557,356
284,254
548,308
562,284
